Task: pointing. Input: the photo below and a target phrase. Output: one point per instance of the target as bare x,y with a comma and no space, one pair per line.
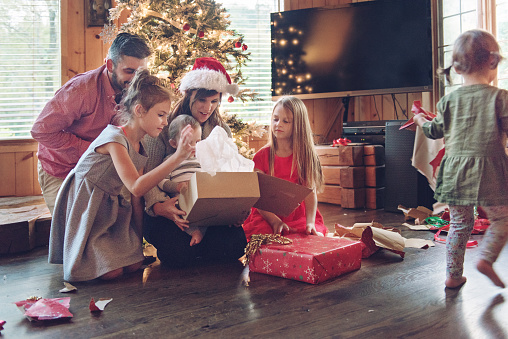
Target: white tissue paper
219,153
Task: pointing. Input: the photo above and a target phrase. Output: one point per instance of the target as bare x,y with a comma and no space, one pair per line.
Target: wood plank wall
18,168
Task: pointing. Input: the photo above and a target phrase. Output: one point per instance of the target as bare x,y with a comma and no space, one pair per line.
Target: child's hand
311,229
197,236
279,227
184,147
420,119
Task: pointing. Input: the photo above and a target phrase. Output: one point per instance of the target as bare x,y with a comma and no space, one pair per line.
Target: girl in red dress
289,155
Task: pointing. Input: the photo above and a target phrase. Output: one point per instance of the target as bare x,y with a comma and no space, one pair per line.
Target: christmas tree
179,31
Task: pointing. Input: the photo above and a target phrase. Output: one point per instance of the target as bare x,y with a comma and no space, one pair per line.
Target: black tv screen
366,48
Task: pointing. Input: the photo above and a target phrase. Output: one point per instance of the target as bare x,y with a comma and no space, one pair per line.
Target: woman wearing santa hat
202,90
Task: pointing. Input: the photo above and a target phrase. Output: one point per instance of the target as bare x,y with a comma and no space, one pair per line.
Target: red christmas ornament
244,47
238,44
186,27
201,34
231,99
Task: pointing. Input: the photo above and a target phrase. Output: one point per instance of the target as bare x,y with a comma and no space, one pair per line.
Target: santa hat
208,73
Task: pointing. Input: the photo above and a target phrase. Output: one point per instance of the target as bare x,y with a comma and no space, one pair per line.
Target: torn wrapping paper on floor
45,309
68,288
374,236
419,213
99,305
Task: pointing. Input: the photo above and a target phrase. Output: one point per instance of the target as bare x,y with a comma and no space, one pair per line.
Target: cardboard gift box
311,259
227,197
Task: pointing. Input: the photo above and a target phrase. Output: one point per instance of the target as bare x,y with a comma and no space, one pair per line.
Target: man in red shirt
81,109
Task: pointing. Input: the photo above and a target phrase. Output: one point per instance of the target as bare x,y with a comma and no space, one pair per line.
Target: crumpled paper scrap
424,227
373,236
45,309
68,288
219,153
419,213
419,243
99,305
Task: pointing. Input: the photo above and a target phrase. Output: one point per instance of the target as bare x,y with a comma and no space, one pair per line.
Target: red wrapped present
312,259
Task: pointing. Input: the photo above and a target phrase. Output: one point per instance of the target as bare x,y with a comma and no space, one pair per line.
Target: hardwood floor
388,297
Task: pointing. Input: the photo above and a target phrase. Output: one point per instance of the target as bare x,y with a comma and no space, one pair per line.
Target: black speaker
404,184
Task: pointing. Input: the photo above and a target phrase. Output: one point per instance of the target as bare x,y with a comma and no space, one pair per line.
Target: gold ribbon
261,239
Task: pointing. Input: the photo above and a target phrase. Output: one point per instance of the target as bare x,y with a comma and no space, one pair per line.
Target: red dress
297,221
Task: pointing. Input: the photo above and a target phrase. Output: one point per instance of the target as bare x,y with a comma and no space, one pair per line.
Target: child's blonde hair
144,89
180,122
305,159
473,51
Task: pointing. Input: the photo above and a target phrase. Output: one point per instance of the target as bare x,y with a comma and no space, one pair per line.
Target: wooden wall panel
24,173
95,48
36,187
7,174
18,168
327,119
82,47
74,20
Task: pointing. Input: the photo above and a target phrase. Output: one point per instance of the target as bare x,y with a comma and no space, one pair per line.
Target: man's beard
116,84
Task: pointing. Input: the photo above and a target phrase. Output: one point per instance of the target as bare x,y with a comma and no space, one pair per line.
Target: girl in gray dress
95,231
473,120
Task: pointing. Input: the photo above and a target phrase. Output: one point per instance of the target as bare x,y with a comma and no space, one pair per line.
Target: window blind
30,71
252,19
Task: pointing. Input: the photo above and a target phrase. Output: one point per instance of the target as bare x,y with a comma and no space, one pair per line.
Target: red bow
341,142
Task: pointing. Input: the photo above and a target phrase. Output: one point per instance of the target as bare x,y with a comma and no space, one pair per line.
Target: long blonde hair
305,159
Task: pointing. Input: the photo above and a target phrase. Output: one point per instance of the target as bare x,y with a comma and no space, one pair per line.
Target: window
457,16
502,37
29,62
252,19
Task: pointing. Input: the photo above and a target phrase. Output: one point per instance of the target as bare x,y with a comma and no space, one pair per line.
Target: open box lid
279,196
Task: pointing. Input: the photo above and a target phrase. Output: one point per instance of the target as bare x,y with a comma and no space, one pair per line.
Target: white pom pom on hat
208,73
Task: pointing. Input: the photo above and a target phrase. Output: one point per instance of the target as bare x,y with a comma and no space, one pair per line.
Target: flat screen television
366,48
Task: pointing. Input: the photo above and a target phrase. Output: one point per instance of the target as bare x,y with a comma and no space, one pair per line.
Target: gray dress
91,231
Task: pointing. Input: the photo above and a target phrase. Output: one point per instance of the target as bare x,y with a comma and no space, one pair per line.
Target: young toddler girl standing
95,231
473,120
289,155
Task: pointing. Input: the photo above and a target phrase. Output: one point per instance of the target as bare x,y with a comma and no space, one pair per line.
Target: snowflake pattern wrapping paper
311,259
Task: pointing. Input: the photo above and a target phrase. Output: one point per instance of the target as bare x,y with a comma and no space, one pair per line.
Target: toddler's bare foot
455,283
486,268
